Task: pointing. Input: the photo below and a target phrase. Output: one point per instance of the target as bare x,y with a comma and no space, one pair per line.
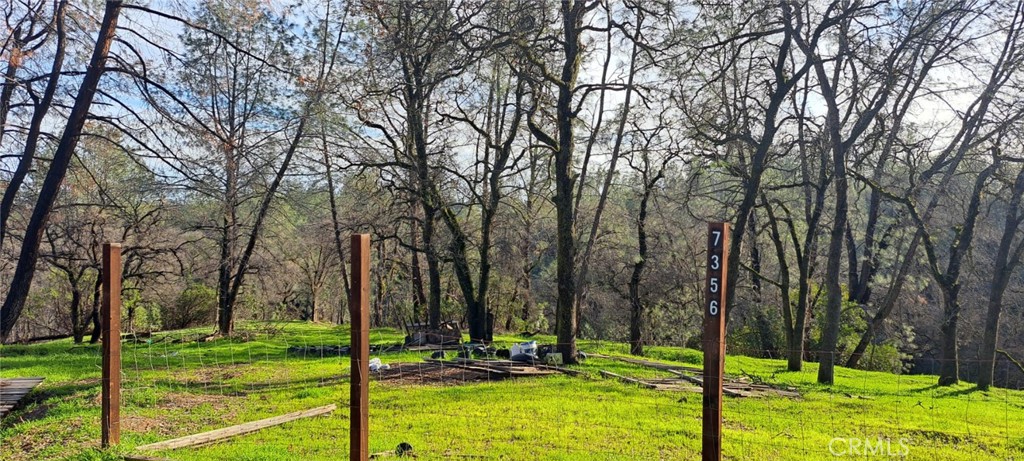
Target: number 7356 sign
717,252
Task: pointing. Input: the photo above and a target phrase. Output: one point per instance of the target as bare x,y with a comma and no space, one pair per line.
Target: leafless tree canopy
527,166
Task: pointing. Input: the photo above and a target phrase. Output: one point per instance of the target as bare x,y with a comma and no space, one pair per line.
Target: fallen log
234,431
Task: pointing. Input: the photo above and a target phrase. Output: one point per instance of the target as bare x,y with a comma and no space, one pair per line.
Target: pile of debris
690,379
463,370
502,369
527,352
446,334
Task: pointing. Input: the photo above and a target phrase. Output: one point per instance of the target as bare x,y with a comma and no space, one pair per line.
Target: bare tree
1007,260
24,33
50,188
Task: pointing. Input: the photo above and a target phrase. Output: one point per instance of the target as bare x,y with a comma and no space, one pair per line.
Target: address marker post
714,339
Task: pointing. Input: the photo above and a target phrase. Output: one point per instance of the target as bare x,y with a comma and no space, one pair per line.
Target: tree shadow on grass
950,393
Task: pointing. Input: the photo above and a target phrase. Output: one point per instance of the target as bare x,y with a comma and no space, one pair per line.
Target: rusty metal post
111,318
359,311
714,339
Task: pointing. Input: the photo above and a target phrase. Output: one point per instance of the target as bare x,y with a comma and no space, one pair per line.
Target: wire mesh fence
477,404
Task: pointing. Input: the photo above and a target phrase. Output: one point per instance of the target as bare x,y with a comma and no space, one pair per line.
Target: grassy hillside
177,386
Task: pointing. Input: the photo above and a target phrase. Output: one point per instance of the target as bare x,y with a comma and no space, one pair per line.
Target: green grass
175,386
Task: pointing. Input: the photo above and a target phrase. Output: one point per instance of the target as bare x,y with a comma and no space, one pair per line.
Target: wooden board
233,431
13,390
649,364
629,380
468,366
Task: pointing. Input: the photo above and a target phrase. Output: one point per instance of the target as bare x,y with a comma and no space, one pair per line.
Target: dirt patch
173,417
432,373
179,400
29,444
736,425
212,375
940,437
133,423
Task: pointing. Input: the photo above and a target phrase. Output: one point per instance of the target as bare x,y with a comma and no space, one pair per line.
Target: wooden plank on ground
234,431
627,379
686,377
465,366
13,390
649,364
560,369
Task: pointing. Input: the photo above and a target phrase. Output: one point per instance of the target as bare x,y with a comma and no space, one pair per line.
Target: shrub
196,305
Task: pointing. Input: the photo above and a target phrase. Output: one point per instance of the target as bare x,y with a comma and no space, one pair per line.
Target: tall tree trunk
602,201
783,81
887,305
77,322
479,316
793,336
527,240
950,283
237,278
264,208
834,300
228,242
415,106
9,83
565,116
833,265
1007,259
765,333
94,316
475,312
949,369
35,125
419,299
339,246
225,309
636,314
433,270
29,255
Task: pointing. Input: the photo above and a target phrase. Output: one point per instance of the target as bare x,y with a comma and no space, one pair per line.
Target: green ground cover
175,386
